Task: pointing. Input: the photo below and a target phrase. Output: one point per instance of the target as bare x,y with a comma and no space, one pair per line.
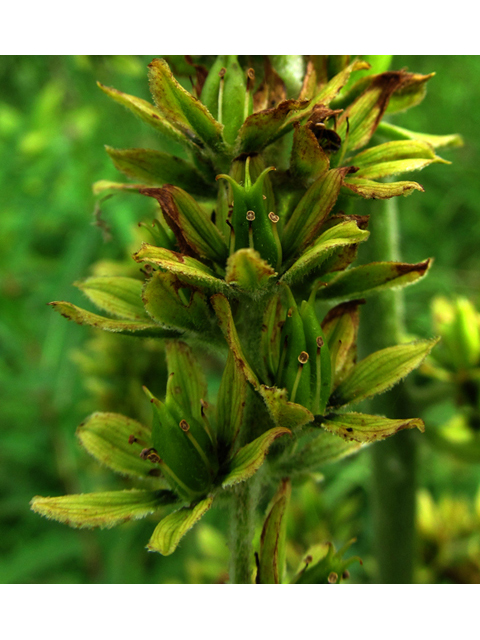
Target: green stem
242,528
394,477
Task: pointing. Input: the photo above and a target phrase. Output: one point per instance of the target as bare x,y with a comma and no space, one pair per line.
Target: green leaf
283,412
310,213
437,142
105,509
379,371
227,325
149,114
393,151
181,109
380,190
156,168
363,428
272,539
171,529
308,160
264,127
188,218
334,86
186,378
165,301
119,296
187,269
357,123
411,92
248,271
371,278
107,437
393,158
248,460
230,404
325,448
341,235
138,328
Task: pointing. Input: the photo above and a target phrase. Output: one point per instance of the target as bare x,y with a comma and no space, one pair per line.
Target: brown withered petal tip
320,342
332,578
250,215
131,439
303,357
184,426
222,72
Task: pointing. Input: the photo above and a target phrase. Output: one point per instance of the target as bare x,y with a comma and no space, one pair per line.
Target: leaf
341,329
187,217
156,168
165,301
437,142
371,278
272,539
324,448
380,190
149,114
227,325
248,460
334,86
248,271
283,412
105,509
186,379
341,235
364,428
187,269
264,127
357,123
393,151
411,92
379,371
171,529
107,437
138,328
117,295
230,404
308,161
310,213
181,109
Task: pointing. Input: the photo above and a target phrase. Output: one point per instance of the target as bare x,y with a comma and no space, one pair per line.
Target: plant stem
242,529
394,477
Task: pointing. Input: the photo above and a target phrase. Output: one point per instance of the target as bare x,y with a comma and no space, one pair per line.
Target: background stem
394,473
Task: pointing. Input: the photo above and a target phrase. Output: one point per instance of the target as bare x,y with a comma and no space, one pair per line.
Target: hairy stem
242,529
394,477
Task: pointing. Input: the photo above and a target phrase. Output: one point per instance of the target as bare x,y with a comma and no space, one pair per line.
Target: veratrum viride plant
250,260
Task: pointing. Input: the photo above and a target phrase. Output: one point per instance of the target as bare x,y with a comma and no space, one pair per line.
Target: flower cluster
255,227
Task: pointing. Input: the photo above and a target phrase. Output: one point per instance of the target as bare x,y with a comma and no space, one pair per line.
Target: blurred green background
54,122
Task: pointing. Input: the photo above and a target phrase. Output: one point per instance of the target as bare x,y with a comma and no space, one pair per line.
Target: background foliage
53,124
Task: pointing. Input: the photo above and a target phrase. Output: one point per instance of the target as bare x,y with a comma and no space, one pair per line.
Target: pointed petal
249,459
171,529
363,428
379,371
104,509
372,278
138,328
156,168
122,297
107,437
